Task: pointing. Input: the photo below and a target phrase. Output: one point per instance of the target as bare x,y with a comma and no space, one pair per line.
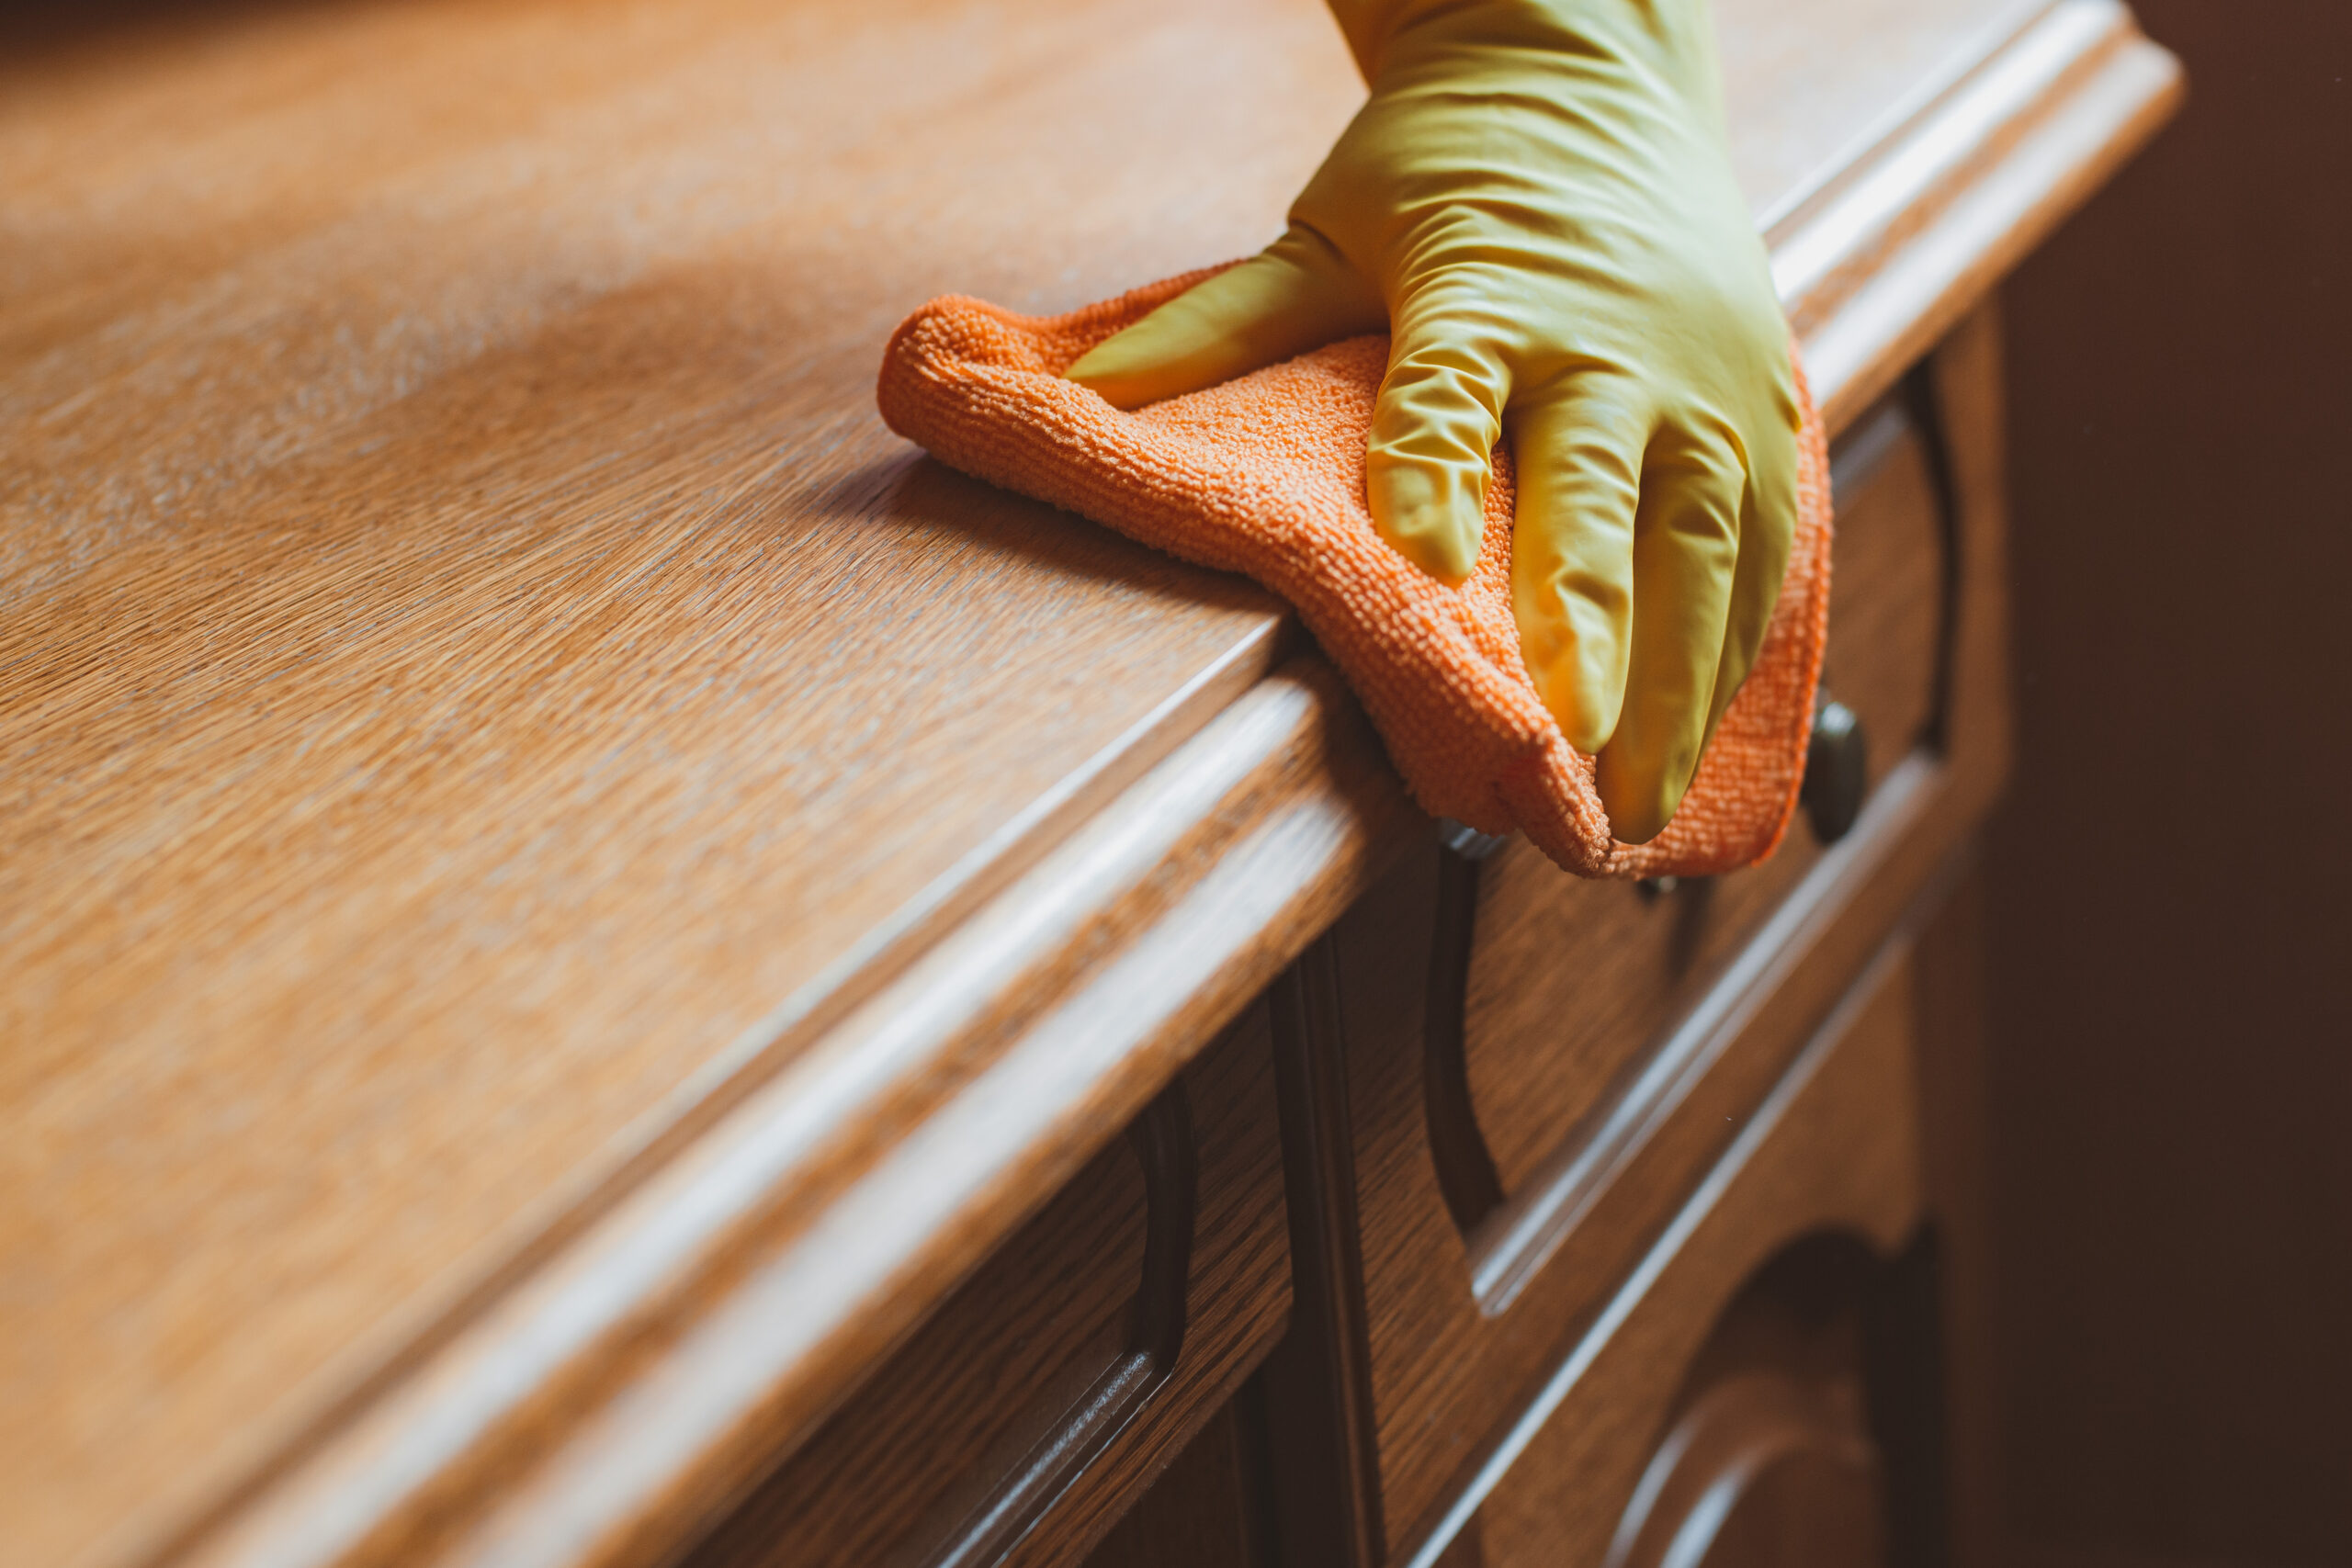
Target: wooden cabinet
611,968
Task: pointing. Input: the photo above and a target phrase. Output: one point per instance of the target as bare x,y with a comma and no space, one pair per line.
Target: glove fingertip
1433,512
1640,794
1117,372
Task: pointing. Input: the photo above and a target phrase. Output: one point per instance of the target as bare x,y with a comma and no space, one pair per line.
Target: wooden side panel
1323,1440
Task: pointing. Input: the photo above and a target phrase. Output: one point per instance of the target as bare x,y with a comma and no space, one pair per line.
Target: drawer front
1717,1412
1020,1421
1212,1509
1540,1070
1571,982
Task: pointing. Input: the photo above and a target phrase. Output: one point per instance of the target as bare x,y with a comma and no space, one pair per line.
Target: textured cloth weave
1264,476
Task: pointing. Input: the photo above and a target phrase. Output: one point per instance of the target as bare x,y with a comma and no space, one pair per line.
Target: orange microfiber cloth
1265,475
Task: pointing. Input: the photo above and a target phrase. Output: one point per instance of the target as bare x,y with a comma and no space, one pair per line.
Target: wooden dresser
604,965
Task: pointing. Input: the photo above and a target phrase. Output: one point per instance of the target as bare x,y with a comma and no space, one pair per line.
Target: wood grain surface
897,1473
1211,1505
480,694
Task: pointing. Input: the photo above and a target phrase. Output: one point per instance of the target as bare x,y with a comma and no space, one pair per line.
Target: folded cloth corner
1264,475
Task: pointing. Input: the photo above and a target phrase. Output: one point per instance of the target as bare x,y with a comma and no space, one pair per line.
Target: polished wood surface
497,732
1891,248
1890,58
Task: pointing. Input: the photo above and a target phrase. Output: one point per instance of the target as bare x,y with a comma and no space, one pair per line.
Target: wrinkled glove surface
1537,203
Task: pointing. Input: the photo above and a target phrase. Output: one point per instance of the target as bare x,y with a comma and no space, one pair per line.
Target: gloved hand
1537,203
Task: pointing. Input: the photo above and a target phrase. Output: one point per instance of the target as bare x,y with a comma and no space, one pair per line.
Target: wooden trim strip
1896,254
1897,120
1895,174
1324,1440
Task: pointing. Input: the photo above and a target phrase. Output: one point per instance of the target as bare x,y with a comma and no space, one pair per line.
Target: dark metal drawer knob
1835,771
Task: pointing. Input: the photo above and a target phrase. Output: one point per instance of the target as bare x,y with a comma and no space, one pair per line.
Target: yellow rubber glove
1536,201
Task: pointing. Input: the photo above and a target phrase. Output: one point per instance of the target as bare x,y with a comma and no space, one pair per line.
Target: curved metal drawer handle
1465,1168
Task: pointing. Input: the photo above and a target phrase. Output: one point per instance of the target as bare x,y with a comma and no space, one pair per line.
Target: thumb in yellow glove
1537,204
